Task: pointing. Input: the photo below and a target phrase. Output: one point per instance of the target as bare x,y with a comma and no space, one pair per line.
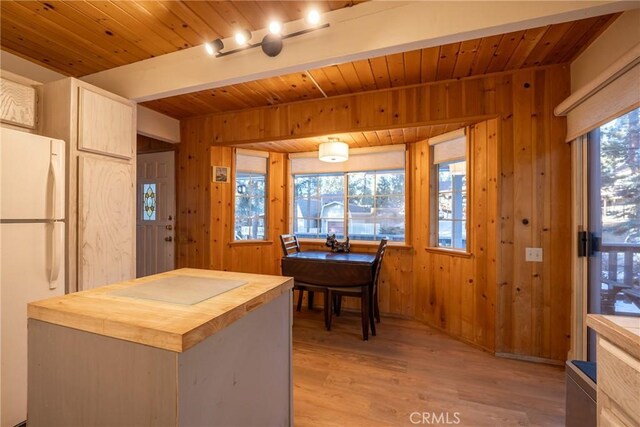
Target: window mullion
345,200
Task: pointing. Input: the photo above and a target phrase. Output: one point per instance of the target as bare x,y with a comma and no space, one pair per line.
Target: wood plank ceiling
358,139
77,38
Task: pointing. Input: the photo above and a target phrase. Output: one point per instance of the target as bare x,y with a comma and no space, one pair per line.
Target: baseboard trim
533,359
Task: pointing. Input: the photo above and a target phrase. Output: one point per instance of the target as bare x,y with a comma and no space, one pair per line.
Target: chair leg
364,308
327,309
376,307
300,294
310,300
372,320
372,323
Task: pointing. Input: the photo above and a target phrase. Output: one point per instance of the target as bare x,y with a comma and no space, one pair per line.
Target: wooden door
156,213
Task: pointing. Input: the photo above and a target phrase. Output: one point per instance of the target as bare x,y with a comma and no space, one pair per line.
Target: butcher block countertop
166,325
623,331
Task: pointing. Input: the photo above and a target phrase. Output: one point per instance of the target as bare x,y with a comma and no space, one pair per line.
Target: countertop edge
135,334
619,335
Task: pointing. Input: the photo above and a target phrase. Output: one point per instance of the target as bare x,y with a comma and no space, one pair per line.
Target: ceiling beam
366,30
467,100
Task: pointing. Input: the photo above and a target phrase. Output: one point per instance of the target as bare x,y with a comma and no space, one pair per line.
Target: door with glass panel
156,213
612,242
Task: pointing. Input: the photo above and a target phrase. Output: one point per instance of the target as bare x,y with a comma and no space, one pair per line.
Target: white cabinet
106,189
104,125
100,174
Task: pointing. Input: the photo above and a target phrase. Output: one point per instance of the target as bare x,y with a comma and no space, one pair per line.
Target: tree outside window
250,206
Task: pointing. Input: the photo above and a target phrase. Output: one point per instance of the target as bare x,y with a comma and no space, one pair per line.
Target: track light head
242,37
313,17
214,47
275,27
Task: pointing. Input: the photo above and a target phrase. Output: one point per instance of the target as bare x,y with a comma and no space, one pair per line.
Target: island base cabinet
618,386
239,376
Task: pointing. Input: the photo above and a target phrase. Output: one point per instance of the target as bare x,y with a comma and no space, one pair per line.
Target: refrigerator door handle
56,244
55,174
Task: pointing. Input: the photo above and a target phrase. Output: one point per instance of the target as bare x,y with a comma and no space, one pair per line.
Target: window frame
433,245
234,190
407,217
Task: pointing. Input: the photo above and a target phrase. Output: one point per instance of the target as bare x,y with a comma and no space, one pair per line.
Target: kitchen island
183,348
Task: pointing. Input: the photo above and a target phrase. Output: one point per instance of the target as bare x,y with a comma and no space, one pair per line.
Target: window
250,195
319,205
376,205
149,202
449,194
374,199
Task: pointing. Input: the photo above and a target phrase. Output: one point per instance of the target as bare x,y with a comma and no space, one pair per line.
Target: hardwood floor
340,380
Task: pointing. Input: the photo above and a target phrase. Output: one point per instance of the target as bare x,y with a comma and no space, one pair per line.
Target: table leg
310,300
327,309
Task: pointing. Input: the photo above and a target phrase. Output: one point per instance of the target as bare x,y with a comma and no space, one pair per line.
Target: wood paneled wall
521,193
205,210
457,293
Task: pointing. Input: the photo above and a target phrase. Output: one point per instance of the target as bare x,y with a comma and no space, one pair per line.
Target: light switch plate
533,254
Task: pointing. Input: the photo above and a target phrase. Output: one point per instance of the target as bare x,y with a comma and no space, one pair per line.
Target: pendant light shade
334,151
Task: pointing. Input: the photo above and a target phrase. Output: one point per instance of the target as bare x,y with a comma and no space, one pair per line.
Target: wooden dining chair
290,245
368,294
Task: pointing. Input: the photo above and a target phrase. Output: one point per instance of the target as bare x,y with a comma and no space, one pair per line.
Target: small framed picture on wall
220,174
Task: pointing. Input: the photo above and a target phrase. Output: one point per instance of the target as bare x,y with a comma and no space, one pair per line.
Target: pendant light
333,151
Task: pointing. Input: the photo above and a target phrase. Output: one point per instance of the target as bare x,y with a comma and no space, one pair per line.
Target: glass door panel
614,218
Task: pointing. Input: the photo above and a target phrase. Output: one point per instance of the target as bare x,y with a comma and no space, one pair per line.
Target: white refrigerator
32,249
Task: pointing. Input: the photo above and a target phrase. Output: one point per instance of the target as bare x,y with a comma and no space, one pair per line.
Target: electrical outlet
533,254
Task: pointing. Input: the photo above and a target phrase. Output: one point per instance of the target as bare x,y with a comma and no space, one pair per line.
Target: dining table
335,269
318,271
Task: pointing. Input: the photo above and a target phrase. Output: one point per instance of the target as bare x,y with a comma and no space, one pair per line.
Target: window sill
250,242
452,252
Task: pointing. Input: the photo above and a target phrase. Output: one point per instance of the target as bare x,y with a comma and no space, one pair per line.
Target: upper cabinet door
105,126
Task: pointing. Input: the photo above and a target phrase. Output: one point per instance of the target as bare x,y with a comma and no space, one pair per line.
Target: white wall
16,65
157,125
616,40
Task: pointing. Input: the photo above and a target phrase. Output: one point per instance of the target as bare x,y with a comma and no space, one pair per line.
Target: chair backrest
289,243
382,248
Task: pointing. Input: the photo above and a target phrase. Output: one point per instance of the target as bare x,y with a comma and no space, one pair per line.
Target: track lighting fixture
271,43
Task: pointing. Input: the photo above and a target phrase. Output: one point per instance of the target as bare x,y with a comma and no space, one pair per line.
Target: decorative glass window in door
148,202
